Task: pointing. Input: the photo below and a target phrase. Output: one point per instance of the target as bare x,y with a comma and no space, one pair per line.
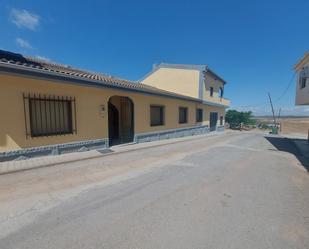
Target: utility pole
272,109
279,115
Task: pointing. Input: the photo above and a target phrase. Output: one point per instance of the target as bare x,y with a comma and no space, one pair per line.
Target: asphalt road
229,191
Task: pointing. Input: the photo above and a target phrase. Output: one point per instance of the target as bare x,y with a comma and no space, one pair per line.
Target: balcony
218,100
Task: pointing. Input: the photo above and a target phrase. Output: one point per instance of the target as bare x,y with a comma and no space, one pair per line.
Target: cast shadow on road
287,145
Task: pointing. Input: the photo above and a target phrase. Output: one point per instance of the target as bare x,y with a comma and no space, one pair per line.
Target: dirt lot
298,126
291,126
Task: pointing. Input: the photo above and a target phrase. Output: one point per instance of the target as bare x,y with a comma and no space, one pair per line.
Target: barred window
199,115
50,116
183,115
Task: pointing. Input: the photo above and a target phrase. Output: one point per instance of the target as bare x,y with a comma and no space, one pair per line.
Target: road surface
235,191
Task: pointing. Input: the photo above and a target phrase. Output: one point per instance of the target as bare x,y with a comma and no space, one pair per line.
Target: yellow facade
185,80
92,123
209,82
182,81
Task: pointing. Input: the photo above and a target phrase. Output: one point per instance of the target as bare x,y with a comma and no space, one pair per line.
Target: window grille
49,115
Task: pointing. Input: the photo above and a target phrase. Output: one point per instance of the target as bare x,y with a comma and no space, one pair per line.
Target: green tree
235,118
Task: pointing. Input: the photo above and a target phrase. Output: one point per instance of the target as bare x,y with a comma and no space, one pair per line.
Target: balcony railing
218,100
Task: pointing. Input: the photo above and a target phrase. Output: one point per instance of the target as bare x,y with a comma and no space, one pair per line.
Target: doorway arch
120,120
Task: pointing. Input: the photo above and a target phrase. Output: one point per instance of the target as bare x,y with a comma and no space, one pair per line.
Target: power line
254,105
272,109
287,88
260,104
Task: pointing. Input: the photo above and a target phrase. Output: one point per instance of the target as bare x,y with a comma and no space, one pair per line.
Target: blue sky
251,44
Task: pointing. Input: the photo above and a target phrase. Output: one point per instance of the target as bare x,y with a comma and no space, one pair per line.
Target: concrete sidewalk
39,162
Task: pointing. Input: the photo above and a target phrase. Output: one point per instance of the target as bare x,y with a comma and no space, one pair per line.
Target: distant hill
281,117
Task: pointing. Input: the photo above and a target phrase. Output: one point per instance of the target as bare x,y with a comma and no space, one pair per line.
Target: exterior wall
91,124
210,81
182,81
302,94
206,113
12,126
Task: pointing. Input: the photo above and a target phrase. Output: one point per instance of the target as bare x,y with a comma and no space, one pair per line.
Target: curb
25,163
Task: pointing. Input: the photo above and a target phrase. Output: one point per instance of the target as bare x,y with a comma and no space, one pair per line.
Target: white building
302,85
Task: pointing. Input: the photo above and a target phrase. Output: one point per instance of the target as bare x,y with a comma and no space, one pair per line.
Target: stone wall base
54,149
57,149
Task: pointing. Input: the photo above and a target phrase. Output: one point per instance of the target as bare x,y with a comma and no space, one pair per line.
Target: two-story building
302,85
49,108
196,81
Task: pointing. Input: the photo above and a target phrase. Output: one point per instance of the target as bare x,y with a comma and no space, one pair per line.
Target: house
48,108
302,85
196,81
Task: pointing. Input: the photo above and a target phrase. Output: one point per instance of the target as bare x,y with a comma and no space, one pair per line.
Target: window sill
52,135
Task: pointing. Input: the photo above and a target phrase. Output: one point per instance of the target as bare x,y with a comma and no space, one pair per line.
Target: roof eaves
302,61
203,68
182,66
215,75
20,69
154,69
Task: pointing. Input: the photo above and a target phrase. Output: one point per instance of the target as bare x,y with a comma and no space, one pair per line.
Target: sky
253,45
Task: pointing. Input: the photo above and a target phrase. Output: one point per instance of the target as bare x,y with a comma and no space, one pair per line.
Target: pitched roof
31,62
46,68
203,68
29,66
302,61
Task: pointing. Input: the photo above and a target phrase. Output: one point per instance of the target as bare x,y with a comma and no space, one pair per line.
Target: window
302,83
221,92
156,115
183,115
211,91
221,120
49,115
199,115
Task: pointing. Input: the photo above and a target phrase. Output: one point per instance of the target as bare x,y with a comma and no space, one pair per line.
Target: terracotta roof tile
19,60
